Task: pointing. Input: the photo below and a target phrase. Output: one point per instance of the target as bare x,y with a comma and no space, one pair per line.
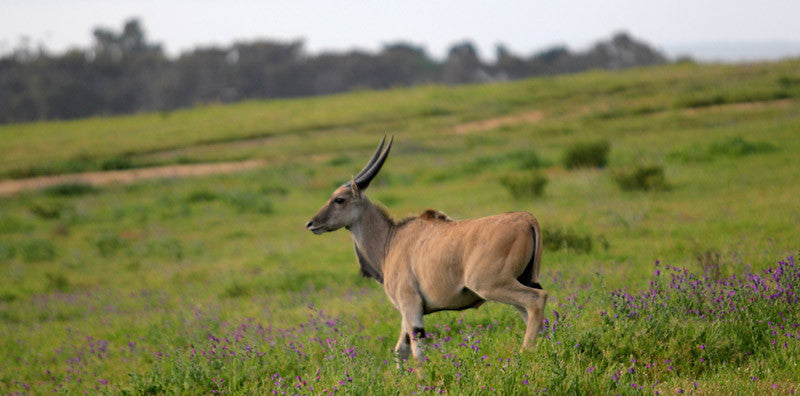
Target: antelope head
346,204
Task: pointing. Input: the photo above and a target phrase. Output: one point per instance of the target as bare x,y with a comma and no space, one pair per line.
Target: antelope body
431,263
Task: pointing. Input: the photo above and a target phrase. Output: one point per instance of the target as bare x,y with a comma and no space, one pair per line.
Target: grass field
681,281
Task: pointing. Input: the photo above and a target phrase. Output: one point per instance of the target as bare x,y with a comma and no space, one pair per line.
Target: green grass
130,287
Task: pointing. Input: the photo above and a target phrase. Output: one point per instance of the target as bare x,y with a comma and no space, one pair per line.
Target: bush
731,147
37,250
235,289
108,243
117,163
56,282
201,195
8,297
737,147
643,178
47,209
70,189
704,100
587,155
527,184
556,239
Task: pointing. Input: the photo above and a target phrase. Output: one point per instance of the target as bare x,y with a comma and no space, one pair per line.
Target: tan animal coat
431,263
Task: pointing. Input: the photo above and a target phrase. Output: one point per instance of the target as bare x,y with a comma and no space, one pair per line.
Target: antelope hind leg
524,298
535,319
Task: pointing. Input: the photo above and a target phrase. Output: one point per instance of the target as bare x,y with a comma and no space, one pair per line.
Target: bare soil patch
492,123
9,187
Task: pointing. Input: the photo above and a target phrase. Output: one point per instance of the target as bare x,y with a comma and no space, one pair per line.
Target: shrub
37,250
696,101
47,209
8,297
108,243
235,289
643,178
56,282
587,155
70,189
201,195
557,239
736,147
732,147
524,184
117,163
788,81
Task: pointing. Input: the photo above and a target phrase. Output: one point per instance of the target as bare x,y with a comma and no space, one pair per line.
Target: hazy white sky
524,26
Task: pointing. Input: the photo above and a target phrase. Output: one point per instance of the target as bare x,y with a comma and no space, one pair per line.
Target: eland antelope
431,263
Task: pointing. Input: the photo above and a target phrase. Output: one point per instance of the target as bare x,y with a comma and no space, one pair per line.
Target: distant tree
109,45
554,60
510,66
266,69
204,75
126,69
405,64
122,72
621,52
463,66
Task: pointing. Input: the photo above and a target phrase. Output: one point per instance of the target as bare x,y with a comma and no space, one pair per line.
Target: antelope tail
530,276
536,260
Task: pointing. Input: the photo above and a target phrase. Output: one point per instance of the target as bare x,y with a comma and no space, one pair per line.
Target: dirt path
13,186
9,187
492,123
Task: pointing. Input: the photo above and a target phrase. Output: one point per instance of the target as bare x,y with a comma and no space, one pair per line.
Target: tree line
124,73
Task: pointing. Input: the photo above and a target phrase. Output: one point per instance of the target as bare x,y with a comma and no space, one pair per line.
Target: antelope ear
354,188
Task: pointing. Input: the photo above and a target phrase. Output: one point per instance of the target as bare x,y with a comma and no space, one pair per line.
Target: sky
525,27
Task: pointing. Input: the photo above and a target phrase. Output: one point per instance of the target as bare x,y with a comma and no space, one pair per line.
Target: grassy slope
156,266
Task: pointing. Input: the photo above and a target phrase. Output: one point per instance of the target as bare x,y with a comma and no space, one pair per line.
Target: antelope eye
338,200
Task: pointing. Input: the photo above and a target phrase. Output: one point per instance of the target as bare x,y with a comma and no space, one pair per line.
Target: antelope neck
371,234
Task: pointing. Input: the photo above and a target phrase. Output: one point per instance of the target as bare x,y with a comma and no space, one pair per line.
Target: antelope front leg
412,330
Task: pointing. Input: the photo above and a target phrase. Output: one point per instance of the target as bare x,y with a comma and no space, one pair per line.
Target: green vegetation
642,178
211,284
524,184
587,155
727,147
557,238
